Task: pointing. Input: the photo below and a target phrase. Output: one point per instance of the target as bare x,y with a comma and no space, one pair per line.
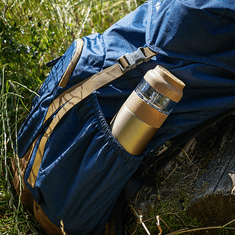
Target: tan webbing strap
72,64
70,98
93,83
85,88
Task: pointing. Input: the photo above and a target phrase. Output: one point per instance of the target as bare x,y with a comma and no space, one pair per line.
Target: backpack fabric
82,170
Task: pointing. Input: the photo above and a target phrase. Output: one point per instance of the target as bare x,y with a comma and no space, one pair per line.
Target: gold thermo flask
146,109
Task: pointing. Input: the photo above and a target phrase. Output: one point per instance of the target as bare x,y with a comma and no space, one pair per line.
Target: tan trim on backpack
72,64
44,221
19,169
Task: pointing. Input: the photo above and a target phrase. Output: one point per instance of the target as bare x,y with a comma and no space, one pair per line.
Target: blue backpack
73,169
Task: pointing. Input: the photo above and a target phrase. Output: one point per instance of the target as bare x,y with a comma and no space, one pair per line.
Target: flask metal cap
165,82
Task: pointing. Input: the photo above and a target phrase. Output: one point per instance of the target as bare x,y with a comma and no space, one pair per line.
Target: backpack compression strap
77,93
83,89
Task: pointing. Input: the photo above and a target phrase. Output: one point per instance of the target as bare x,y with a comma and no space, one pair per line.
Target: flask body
146,109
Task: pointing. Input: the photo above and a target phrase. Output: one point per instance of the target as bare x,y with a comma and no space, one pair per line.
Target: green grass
33,32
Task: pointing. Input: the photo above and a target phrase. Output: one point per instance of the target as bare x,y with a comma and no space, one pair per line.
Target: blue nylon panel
84,169
195,41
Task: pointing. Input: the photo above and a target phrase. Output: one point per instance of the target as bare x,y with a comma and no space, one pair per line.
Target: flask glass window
154,98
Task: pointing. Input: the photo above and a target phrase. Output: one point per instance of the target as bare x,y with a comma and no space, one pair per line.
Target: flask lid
165,82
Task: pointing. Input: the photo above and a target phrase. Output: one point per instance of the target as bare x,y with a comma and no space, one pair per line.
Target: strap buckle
131,60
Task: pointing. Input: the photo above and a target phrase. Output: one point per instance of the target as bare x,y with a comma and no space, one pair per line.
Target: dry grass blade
158,224
62,227
165,224
186,230
143,224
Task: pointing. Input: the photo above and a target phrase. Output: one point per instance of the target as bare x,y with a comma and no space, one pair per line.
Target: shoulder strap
83,89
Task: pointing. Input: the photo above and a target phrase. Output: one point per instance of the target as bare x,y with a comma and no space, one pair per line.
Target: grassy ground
32,33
